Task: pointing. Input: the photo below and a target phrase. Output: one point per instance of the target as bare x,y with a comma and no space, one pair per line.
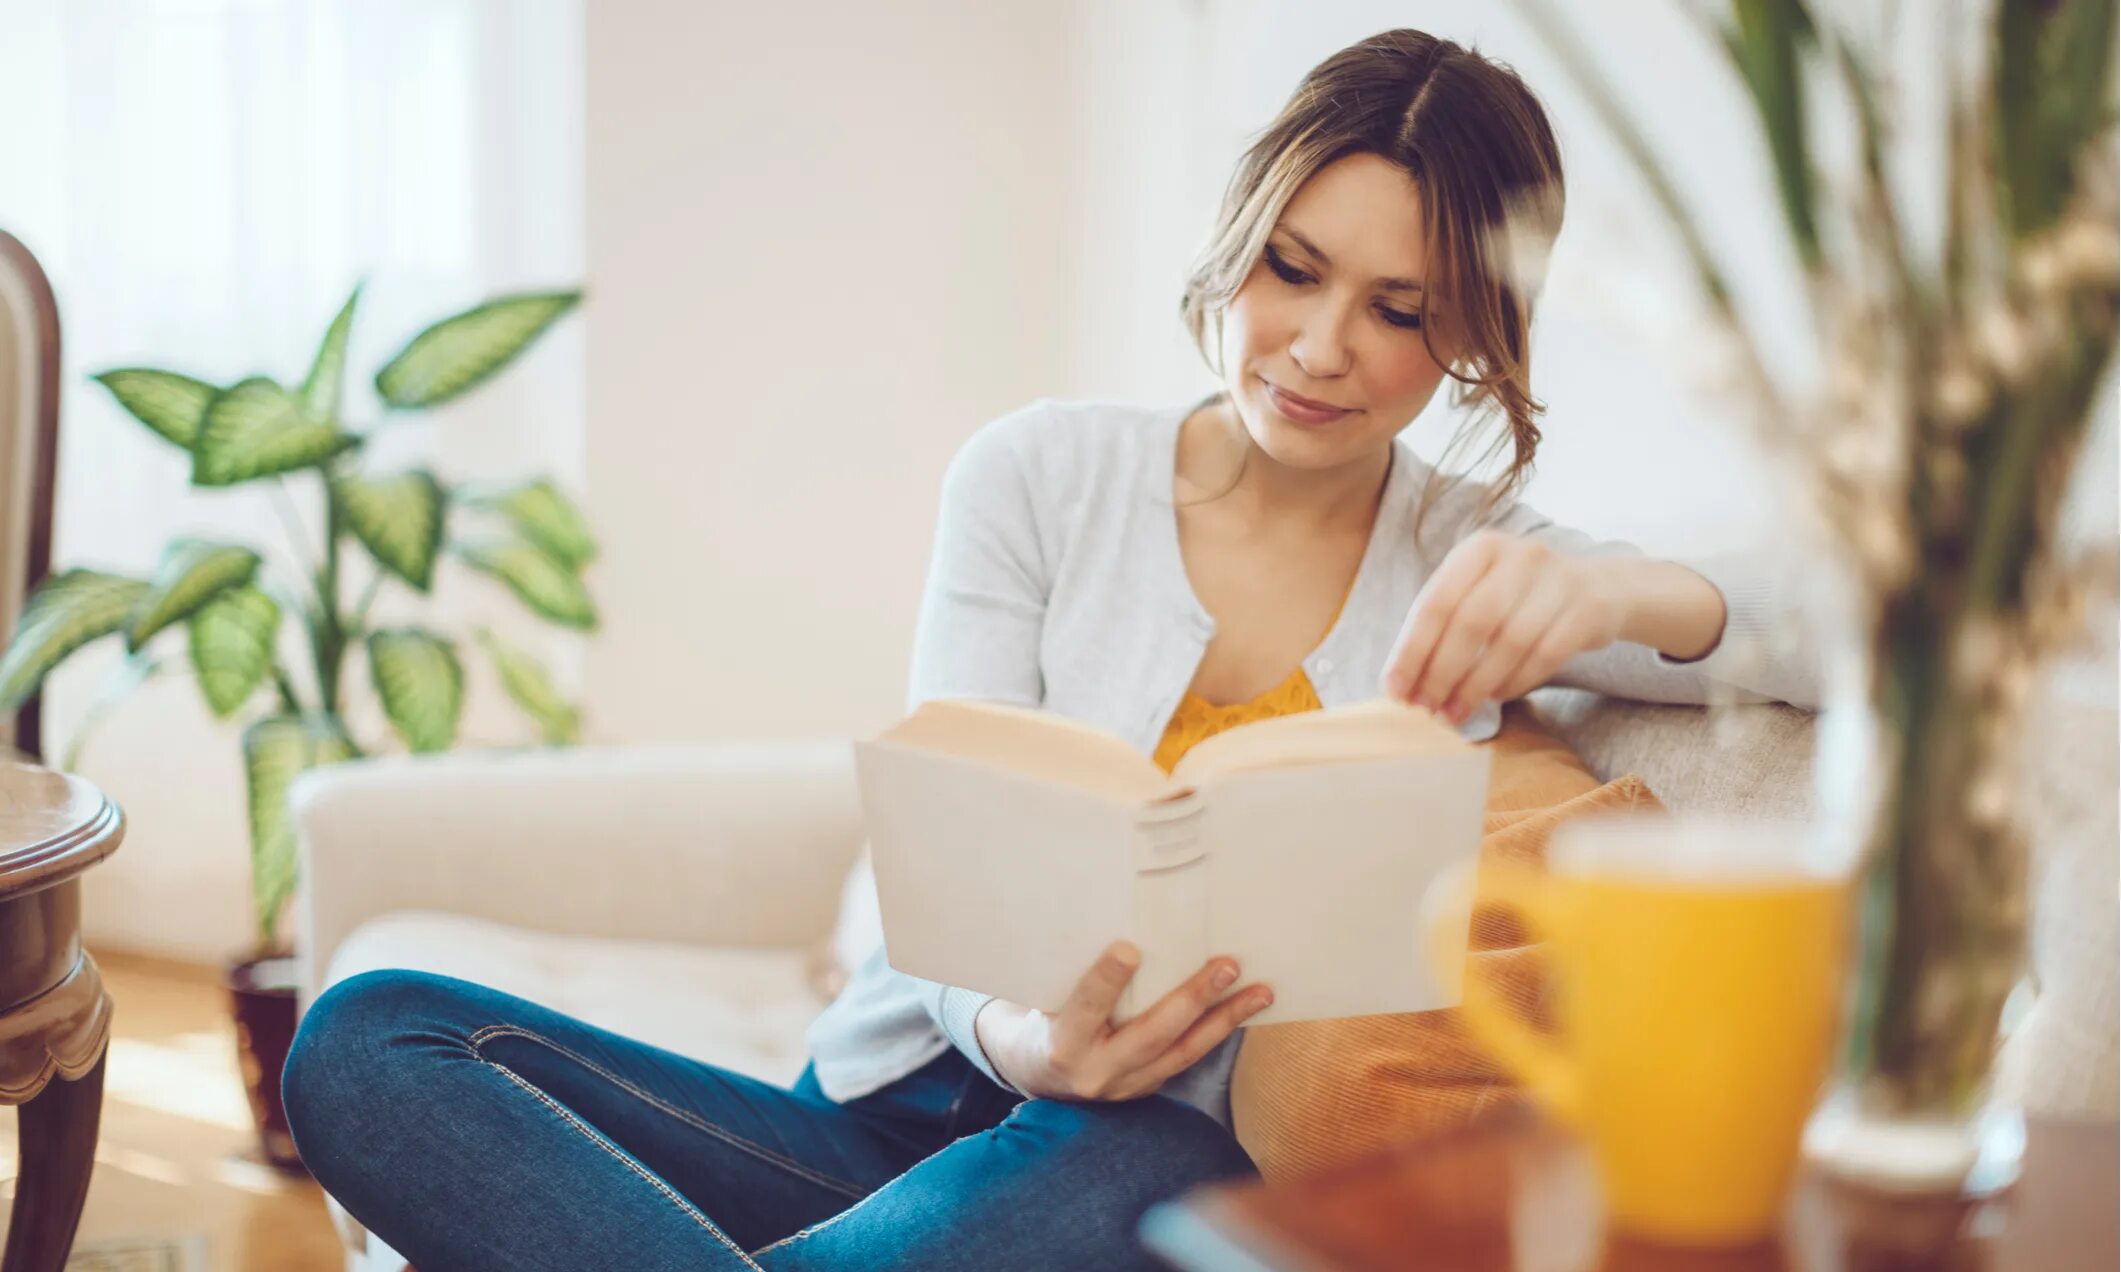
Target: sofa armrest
739,844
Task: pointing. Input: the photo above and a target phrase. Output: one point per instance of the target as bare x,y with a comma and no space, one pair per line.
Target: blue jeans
471,1129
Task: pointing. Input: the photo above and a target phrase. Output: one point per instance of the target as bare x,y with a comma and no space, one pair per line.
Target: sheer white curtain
206,180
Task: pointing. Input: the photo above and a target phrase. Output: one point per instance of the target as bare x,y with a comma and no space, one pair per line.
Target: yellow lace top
1196,719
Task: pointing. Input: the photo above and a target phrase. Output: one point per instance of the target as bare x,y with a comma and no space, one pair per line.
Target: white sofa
690,896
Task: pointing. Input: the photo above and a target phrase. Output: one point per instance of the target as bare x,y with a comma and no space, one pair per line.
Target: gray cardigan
1057,582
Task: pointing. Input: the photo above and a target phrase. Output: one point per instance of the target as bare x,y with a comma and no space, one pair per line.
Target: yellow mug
1698,966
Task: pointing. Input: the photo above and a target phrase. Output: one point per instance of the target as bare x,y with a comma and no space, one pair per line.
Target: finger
1141,1040
1476,620
1506,651
1208,1032
1433,605
1089,1007
1559,645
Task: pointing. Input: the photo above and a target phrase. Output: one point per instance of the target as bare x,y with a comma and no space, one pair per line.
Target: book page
1036,743
1320,876
1375,730
991,879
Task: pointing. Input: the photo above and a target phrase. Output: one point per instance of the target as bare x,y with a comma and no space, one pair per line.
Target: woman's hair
1483,158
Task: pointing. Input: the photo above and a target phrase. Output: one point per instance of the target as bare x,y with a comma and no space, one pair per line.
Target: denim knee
340,1062
1169,1142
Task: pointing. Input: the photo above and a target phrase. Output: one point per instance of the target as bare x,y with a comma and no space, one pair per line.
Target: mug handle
1547,1070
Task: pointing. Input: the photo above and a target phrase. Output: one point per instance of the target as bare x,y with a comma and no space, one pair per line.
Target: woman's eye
1295,277
1283,270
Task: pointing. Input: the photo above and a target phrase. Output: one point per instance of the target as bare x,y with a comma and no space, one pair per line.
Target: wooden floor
176,1155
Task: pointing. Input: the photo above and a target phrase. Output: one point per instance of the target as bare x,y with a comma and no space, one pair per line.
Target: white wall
826,242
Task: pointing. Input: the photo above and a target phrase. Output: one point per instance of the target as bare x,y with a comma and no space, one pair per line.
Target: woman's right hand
1080,1054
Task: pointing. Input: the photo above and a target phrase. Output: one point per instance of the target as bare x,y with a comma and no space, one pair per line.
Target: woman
1161,573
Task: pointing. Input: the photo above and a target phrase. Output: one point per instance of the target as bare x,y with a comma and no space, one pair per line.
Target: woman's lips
1303,410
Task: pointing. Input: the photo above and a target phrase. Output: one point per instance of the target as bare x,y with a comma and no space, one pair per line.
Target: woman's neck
1216,455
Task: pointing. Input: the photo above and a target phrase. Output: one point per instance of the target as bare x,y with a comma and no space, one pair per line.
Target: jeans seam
590,1133
694,1121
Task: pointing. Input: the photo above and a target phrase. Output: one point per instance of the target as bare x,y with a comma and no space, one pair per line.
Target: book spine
1170,901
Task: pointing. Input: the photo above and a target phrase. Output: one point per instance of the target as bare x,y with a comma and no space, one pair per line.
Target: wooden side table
54,1011
1513,1194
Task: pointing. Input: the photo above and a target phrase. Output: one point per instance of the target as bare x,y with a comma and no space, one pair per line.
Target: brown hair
1480,150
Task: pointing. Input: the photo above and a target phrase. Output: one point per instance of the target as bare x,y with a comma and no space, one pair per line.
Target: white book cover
1011,846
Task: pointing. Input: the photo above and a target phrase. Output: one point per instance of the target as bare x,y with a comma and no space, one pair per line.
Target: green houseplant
218,608
1960,376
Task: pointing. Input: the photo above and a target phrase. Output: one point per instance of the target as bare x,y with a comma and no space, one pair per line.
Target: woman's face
1332,313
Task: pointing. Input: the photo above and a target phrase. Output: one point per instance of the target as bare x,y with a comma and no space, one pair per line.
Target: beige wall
825,242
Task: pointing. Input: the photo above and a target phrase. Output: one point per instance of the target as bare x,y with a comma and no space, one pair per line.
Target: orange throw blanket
1315,1093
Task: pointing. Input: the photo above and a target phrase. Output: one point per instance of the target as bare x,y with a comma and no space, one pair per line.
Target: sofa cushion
1751,760
742,1009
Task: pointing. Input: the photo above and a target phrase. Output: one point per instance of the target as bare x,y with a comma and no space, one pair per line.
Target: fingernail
1263,1000
1225,976
1126,953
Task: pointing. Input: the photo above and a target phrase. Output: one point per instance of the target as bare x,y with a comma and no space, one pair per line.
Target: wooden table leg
54,1011
56,1152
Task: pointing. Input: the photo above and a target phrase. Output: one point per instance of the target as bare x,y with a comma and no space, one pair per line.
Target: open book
1011,846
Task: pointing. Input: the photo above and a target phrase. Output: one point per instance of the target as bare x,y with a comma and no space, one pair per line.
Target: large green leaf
171,404
66,612
277,750
459,353
232,646
548,587
398,519
541,514
257,429
531,687
320,392
192,572
421,684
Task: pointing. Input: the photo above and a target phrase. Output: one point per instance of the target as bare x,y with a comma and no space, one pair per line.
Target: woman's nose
1319,348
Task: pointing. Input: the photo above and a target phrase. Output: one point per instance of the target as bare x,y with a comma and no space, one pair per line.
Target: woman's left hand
1497,620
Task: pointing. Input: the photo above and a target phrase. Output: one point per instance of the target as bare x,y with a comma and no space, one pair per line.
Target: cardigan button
1323,666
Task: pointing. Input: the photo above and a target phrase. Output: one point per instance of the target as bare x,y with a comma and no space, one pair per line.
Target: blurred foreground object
1513,1192
1957,386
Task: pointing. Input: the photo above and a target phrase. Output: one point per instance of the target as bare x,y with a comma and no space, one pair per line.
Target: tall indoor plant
1960,380
219,605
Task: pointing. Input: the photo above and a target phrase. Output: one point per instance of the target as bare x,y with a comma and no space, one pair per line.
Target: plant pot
262,994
